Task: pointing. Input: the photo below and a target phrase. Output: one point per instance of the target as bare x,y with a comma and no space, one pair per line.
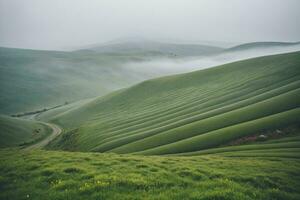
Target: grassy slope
188,112
14,131
67,175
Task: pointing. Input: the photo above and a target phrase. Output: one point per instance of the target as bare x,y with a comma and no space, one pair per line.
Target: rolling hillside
15,132
188,112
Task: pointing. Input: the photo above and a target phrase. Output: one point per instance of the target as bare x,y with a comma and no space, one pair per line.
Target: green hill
16,132
188,112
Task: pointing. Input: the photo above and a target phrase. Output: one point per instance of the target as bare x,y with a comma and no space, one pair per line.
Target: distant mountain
262,45
142,45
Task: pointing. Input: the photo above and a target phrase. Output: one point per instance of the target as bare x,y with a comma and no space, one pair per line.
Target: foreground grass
69,175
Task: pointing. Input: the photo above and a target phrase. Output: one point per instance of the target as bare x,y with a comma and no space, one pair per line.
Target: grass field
74,175
187,112
15,132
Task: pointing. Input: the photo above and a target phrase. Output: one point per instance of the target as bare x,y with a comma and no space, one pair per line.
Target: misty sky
61,24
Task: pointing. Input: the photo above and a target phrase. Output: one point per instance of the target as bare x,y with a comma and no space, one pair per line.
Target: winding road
56,130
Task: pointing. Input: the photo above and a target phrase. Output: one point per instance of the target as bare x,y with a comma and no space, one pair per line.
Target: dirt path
56,130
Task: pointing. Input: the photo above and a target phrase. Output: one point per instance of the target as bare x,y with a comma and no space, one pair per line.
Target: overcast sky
60,24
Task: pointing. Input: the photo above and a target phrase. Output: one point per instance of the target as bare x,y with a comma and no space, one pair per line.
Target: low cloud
162,67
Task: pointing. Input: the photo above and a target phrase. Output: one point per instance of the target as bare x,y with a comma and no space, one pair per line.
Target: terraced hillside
188,112
15,132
